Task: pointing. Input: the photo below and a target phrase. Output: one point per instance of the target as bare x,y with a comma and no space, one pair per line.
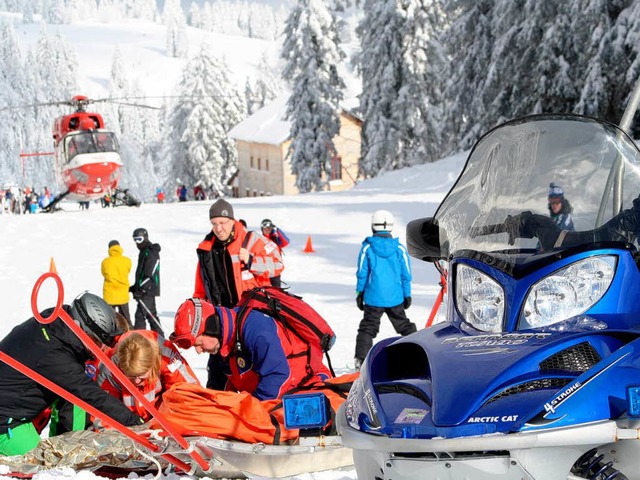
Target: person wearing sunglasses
151,362
146,286
560,209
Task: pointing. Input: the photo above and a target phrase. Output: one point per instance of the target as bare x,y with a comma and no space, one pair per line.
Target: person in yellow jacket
115,270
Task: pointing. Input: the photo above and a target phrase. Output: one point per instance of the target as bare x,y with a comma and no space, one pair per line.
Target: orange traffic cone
52,266
308,248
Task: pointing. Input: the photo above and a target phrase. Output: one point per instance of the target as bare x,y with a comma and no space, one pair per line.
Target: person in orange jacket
232,260
151,362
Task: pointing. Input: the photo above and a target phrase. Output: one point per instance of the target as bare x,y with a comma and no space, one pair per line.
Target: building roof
266,125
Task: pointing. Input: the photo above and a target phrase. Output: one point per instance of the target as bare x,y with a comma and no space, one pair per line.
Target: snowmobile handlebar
487,230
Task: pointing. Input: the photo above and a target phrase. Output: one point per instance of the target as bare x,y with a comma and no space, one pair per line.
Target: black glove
132,288
137,294
407,302
360,300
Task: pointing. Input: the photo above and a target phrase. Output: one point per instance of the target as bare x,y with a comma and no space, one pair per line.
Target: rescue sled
297,443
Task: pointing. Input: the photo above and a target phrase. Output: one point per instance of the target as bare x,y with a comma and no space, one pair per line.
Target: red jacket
265,262
173,369
272,360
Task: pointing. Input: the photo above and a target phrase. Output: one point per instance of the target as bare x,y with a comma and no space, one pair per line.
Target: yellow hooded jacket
115,270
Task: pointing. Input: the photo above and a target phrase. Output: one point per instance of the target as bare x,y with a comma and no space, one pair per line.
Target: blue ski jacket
384,271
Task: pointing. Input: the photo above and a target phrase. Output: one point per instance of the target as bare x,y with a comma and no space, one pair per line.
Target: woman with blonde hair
151,362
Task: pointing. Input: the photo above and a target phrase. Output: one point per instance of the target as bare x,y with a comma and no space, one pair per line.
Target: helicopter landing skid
53,204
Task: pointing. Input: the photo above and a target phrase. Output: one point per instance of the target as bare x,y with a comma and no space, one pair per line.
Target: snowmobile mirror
423,240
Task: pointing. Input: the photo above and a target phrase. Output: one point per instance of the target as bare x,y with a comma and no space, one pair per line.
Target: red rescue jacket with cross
173,369
270,361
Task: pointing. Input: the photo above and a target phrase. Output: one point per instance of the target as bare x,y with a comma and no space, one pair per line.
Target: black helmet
96,317
140,235
266,223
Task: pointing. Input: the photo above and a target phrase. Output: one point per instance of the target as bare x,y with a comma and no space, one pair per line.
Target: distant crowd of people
15,200
198,193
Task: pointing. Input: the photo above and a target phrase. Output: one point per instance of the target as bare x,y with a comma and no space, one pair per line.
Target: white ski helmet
381,220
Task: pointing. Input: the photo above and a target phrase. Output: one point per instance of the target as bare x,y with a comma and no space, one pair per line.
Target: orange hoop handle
34,298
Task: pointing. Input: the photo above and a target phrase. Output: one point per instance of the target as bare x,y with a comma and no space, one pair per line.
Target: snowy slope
336,222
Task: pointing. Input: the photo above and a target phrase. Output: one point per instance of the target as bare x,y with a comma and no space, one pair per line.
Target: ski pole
55,388
59,312
151,315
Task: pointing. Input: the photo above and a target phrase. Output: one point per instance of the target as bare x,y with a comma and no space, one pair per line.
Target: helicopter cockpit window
90,142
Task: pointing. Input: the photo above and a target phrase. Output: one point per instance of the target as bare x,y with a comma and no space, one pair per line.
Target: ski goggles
138,239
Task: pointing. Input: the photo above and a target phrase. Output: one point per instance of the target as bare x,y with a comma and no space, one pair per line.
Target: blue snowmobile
535,374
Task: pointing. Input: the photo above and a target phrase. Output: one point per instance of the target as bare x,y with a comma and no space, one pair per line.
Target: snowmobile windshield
526,165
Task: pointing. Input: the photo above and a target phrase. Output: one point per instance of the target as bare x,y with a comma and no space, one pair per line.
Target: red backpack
295,315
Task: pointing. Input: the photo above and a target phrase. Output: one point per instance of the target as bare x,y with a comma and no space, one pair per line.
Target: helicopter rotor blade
35,105
129,104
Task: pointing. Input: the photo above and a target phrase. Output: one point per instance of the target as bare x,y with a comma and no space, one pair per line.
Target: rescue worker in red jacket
277,236
232,260
151,362
270,361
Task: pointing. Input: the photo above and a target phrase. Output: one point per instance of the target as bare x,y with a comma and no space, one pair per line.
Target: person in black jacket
54,351
147,282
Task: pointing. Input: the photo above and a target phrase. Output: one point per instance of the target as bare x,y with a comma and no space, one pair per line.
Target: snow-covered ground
337,223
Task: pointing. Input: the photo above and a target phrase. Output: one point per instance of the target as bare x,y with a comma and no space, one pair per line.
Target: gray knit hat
113,242
221,208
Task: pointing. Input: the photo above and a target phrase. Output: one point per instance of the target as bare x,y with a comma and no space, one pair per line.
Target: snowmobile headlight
480,299
567,292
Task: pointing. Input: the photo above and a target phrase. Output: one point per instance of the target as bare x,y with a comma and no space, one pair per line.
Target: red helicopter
87,158
86,155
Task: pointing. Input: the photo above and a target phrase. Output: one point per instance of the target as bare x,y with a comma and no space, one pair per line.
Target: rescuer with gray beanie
221,208
232,260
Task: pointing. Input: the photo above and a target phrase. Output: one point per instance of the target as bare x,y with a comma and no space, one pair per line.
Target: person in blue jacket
384,284
263,358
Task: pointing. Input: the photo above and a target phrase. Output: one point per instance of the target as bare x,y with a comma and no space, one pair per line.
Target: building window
266,164
259,163
336,168
251,161
247,192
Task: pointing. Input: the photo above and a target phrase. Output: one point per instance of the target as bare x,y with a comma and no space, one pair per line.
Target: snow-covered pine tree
53,11
268,84
28,10
312,53
197,128
401,63
176,34
614,65
56,81
419,104
12,84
